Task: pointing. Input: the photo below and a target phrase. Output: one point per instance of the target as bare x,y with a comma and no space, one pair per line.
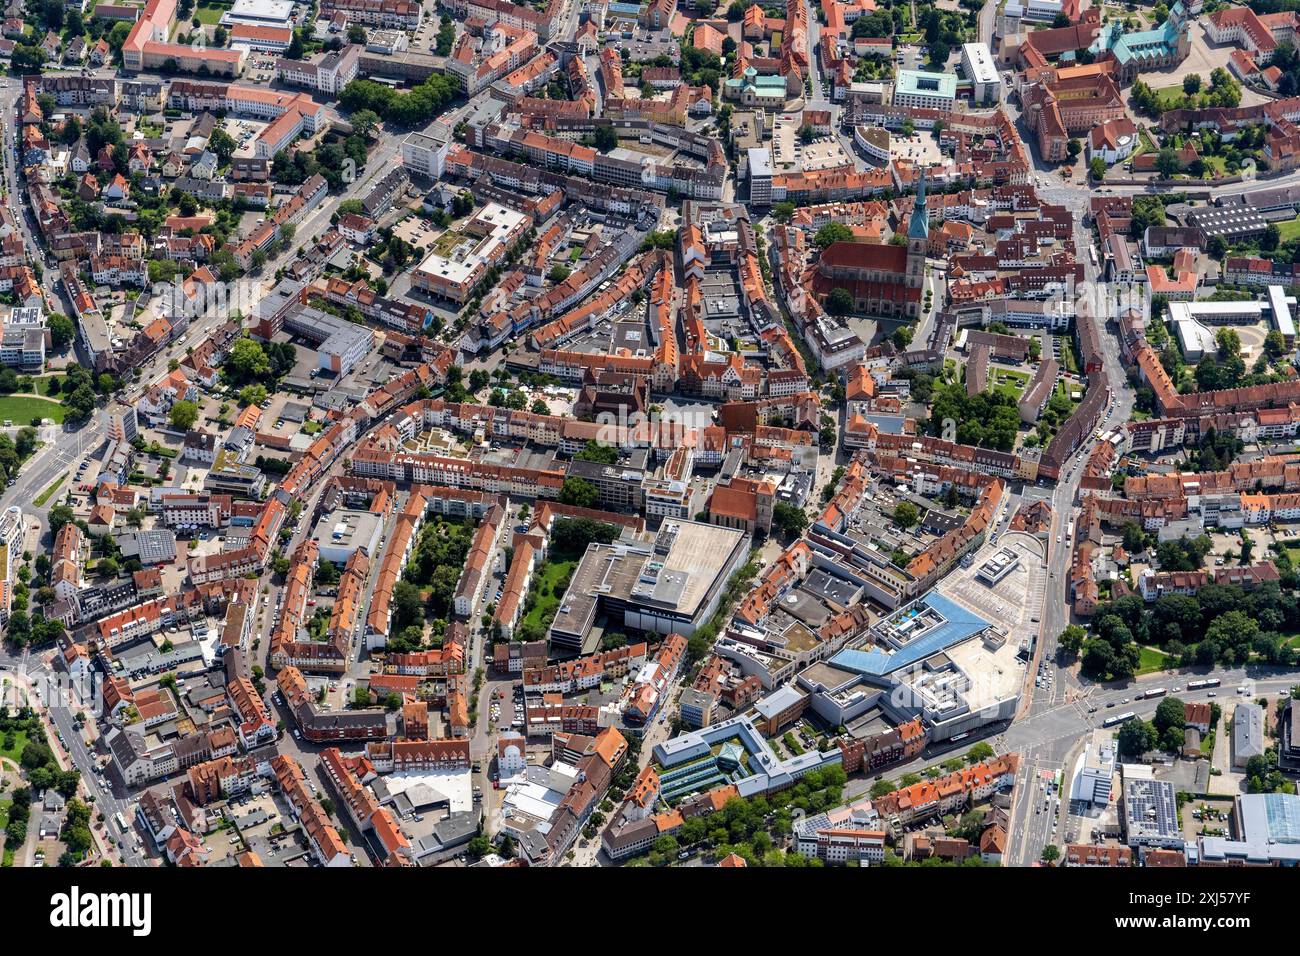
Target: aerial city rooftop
810,434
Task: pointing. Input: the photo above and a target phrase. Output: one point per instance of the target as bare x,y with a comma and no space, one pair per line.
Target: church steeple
919,227
918,242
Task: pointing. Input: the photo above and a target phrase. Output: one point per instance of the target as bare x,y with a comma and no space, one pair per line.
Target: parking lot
244,132
260,68
919,148
1014,604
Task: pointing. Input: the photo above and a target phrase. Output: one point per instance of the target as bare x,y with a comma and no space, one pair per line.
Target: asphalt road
101,792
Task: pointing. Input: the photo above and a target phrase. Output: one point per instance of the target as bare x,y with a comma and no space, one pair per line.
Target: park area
209,13
544,596
1008,381
569,541
21,409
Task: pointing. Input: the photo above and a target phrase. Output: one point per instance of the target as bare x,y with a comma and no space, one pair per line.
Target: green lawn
21,409
1008,383
551,574
1215,166
1008,390
448,241
42,383
1169,96
20,741
1293,550
45,495
1145,143
1152,661
209,14
1289,230
1069,359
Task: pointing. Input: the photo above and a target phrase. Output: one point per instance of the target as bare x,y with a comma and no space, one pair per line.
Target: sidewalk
106,850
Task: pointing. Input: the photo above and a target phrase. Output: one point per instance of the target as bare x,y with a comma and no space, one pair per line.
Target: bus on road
1118,719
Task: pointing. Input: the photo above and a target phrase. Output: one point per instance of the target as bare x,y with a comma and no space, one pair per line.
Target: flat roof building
917,88
1150,809
262,13
998,567
1267,829
911,634
460,260
340,344
670,585
977,63
1097,772
339,533
760,175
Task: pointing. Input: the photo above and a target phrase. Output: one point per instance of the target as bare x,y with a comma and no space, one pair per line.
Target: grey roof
456,828
1151,812
1247,730
1270,831
125,745
151,547
779,700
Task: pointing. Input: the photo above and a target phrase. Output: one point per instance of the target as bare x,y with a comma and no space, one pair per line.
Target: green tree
1072,638
248,361
790,519
407,604
906,514
579,492
595,451
1135,538
223,145
59,515
783,211
61,330
839,301
832,232
1170,713
1136,737
606,138
252,395
1275,343
979,753
1167,162
183,415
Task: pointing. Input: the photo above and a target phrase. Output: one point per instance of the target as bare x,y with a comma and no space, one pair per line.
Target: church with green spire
918,238
883,280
